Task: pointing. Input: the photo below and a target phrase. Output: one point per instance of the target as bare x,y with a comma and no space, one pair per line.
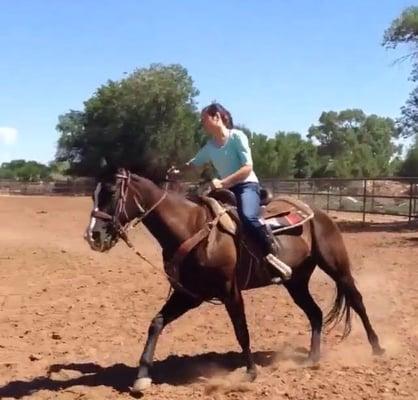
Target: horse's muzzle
99,241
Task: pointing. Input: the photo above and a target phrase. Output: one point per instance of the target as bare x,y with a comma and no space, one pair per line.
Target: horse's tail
332,257
340,310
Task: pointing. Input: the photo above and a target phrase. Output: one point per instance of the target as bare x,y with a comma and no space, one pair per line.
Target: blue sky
276,64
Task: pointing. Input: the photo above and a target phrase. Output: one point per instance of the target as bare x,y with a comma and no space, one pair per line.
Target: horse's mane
177,196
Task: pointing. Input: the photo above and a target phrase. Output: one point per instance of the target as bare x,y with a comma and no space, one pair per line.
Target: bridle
124,180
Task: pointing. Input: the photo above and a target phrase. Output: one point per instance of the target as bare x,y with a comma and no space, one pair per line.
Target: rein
125,178
125,186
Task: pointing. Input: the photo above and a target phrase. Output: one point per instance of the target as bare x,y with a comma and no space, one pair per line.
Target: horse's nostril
96,236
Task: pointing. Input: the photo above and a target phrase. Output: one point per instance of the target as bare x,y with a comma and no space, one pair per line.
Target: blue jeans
248,205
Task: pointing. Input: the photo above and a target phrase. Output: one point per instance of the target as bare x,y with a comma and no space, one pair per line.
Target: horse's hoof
312,364
141,384
314,359
378,351
251,374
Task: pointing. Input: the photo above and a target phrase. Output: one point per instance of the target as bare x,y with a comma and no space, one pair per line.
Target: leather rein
124,180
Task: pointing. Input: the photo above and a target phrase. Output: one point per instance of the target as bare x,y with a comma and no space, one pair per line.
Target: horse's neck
149,191
173,220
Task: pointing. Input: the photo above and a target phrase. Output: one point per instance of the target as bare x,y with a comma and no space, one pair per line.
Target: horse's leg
299,290
176,305
332,258
234,305
355,300
347,290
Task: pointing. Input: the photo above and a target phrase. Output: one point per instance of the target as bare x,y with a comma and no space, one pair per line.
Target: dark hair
226,116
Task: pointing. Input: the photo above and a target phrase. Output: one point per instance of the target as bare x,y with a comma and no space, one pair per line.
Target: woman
229,152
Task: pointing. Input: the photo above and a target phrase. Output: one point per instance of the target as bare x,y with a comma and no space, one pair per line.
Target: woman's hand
172,173
216,184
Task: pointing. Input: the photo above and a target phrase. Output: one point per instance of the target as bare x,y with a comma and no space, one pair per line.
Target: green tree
409,118
6,173
288,146
409,166
354,144
264,155
145,122
306,160
28,171
404,31
286,155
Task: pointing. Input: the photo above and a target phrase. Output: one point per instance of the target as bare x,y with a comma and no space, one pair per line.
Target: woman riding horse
228,150
182,226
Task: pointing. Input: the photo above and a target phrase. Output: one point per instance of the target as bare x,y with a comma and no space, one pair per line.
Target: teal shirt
228,158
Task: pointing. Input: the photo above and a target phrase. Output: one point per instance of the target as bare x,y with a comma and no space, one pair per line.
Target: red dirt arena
73,322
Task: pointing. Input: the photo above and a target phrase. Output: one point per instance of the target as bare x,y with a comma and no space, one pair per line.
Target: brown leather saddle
284,214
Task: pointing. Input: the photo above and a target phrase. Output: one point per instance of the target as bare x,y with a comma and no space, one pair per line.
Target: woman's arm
237,177
244,154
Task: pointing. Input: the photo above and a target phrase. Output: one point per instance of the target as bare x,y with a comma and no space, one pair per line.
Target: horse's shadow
175,370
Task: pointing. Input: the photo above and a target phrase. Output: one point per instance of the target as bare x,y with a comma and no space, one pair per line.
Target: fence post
372,206
298,189
410,202
340,197
364,199
328,196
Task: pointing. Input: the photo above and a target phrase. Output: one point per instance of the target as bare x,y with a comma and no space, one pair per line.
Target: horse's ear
110,164
103,163
106,168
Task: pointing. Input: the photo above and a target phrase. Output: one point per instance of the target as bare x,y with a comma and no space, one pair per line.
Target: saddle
283,214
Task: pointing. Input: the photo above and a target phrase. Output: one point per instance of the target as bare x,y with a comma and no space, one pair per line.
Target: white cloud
8,135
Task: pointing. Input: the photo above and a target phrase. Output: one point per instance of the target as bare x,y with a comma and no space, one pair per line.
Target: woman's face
212,124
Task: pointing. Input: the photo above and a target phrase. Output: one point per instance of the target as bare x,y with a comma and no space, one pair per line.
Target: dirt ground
84,316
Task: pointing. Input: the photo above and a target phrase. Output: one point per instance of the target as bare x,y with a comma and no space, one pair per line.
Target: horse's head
117,200
112,210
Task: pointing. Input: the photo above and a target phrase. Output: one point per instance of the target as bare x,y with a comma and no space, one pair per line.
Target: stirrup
284,270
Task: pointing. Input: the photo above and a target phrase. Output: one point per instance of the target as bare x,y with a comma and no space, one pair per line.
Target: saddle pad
282,205
287,220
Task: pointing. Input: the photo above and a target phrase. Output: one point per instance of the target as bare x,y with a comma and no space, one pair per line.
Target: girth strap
189,244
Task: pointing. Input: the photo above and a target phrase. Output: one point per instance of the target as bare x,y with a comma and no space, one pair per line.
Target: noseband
124,181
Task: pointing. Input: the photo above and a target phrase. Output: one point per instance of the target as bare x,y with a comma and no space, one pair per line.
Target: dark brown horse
181,227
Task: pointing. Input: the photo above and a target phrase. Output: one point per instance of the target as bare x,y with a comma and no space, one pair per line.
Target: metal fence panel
386,196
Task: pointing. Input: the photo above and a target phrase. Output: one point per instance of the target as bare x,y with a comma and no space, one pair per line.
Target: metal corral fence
385,196
81,187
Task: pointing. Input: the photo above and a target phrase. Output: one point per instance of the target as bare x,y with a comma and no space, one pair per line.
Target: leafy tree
145,122
287,147
409,118
306,160
352,144
28,171
6,173
264,155
286,155
404,31
409,167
